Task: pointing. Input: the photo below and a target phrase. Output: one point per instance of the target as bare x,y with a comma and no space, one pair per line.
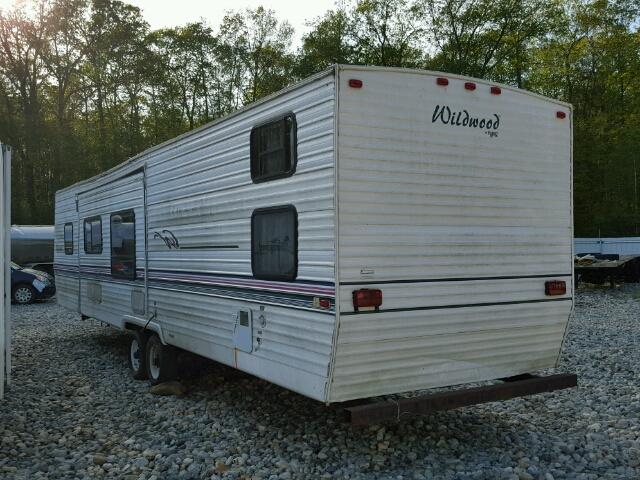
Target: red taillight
560,114
555,287
442,81
496,90
355,83
321,302
367,298
470,85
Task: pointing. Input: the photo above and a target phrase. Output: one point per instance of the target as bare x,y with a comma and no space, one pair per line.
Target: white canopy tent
5,262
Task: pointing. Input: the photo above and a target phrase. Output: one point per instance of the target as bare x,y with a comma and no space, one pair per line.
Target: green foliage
488,39
327,44
366,32
592,61
85,84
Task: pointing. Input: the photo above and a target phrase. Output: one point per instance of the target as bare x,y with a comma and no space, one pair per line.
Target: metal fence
621,246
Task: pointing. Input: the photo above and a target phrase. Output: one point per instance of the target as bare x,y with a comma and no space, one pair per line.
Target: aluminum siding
67,285
438,208
123,194
199,188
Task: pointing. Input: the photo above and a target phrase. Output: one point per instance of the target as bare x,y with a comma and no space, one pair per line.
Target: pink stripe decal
222,281
247,283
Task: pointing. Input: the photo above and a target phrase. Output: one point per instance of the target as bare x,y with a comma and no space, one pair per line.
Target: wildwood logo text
464,119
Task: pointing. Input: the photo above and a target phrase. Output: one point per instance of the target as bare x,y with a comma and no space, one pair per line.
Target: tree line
86,84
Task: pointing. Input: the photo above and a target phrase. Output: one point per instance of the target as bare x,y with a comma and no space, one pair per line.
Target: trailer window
68,238
273,149
123,245
93,235
274,243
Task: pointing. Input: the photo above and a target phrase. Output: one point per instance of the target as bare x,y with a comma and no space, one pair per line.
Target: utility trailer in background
367,231
32,246
597,268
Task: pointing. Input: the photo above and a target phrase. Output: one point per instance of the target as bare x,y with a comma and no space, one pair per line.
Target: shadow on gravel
229,391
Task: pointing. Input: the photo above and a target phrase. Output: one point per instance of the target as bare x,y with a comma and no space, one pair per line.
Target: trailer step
519,386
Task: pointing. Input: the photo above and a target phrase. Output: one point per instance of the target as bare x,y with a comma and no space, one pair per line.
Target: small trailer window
68,238
274,243
93,235
123,245
274,149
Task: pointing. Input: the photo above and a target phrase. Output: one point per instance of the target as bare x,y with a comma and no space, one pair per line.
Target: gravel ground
74,412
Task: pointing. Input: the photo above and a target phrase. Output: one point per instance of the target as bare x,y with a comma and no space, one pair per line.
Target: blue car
29,285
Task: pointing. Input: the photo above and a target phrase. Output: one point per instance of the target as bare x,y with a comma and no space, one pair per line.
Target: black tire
161,360
138,355
24,294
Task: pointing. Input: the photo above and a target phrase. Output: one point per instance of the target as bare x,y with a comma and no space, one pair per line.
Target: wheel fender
156,328
135,324
18,285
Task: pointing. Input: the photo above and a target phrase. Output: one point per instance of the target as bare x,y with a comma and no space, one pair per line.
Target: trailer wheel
138,355
161,362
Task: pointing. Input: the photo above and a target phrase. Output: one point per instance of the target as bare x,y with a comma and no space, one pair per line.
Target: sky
162,13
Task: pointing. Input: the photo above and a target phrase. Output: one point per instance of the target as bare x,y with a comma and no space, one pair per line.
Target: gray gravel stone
74,412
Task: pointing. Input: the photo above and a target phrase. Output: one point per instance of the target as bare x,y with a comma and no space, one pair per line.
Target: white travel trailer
367,231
